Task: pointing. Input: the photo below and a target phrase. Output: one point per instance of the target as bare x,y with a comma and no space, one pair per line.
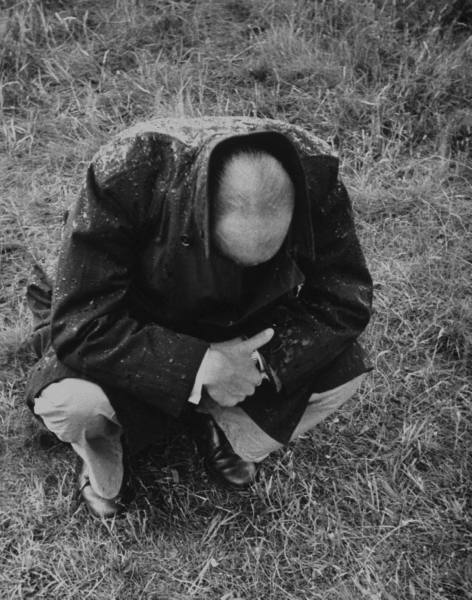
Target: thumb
258,340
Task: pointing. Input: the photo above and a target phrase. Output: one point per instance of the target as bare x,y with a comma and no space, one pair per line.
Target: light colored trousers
79,413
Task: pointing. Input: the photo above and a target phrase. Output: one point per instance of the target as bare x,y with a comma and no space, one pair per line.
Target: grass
376,503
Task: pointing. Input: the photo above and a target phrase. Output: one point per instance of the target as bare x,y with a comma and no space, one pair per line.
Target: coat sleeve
92,331
315,324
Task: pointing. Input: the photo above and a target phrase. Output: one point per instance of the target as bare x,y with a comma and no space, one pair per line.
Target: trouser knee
74,408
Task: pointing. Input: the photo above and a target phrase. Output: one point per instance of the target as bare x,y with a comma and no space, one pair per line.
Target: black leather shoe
100,507
221,462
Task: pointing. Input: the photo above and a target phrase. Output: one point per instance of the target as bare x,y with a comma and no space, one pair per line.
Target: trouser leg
323,404
253,444
79,412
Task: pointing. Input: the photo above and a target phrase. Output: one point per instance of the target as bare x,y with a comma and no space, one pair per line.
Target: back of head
252,207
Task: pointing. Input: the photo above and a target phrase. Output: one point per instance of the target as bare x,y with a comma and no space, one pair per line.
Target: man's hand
231,372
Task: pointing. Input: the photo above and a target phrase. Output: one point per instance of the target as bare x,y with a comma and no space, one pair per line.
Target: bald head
252,207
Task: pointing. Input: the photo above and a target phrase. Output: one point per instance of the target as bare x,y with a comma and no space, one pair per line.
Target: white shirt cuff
196,393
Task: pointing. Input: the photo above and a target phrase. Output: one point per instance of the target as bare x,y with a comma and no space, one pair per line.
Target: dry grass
375,504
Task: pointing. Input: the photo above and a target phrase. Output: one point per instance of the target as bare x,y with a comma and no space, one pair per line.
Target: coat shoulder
306,142
138,148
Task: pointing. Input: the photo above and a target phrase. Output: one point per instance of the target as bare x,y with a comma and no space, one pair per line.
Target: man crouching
210,272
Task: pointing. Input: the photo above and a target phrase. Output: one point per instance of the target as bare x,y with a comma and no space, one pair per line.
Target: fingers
236,390
249,383
242,388
232,400
226,399
254,377
257,341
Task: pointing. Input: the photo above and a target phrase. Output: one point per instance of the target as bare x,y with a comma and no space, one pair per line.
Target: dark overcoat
140,291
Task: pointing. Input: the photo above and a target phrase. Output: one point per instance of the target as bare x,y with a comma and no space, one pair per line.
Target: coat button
185,240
